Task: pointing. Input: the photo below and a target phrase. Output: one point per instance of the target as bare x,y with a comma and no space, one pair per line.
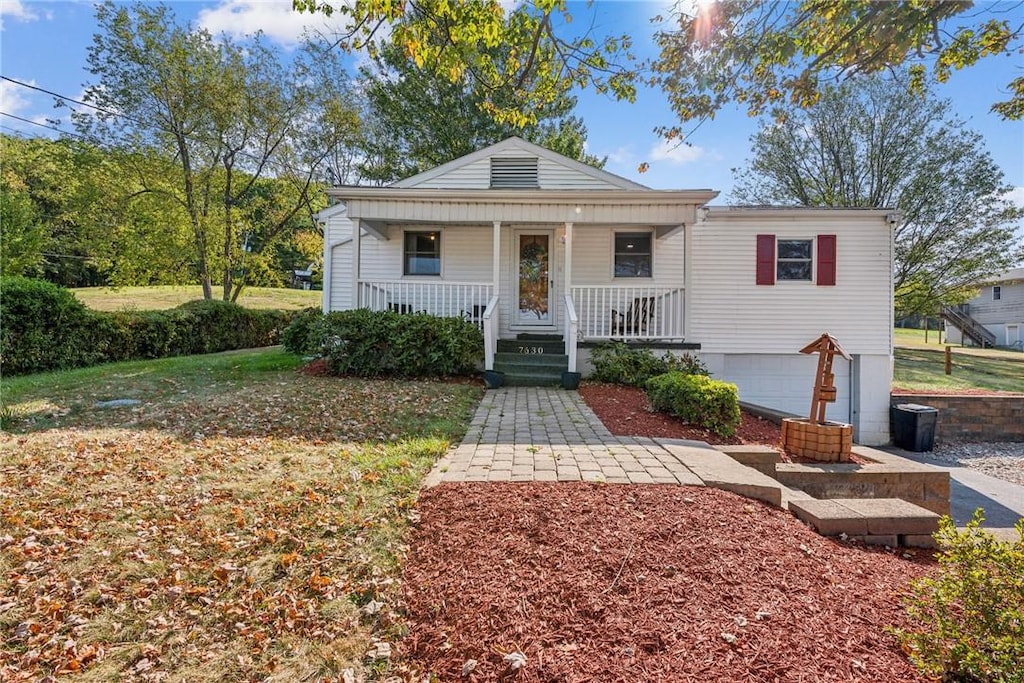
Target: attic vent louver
515,172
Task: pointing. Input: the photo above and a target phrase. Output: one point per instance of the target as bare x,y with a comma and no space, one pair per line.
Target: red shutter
826,259
766,259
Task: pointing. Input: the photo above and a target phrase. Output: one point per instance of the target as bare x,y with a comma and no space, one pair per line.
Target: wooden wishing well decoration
824,381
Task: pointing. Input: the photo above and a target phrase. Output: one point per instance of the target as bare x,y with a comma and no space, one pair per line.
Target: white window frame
811,260
623,231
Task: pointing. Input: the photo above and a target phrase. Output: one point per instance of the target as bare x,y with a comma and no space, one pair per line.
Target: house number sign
531,350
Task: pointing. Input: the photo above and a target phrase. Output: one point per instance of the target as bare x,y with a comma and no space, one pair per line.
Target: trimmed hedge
44,327
618,363
697,399
366,343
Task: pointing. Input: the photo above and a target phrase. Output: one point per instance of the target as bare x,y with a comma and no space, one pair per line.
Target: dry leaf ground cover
234,525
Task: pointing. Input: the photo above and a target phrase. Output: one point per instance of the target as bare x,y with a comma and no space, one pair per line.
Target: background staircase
532,360
971,328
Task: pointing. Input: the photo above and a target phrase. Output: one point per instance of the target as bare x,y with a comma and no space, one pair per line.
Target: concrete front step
881,521
546,360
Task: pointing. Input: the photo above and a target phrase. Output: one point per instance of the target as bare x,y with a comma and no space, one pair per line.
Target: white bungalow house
550,256
994,317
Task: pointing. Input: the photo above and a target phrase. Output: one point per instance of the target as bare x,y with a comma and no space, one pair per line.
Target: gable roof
519,144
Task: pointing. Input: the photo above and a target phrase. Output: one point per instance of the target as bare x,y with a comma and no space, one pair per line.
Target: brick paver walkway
542,434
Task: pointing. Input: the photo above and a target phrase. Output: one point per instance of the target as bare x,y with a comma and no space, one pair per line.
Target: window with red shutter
826,260
766,259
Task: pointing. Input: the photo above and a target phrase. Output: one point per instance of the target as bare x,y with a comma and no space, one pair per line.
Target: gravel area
1003,460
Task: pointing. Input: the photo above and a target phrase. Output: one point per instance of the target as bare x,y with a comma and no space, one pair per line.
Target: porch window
794,260
633,254
422,253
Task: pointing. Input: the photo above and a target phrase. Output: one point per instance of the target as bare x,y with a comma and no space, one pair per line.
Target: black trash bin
913,426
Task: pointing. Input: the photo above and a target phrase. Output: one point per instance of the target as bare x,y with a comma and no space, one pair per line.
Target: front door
533,279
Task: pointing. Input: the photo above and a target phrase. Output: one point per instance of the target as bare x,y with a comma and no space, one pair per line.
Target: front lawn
241,521
922,369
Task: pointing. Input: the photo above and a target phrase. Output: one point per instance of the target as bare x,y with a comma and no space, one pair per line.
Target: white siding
781,381
338,293
996,314
551,175
730,313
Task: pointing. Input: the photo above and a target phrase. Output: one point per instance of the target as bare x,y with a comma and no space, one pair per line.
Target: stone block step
879,520
718,470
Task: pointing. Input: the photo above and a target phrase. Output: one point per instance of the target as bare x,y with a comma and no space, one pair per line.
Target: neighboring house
995,317
303,278
531,245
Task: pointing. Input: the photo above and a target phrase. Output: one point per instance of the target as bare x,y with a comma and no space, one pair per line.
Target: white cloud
622,156
276,18
16,9
675,152
1016,195
14,99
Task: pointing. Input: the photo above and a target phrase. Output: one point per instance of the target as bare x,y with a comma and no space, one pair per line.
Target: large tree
419,120
871,143
759,53
225,114
753,52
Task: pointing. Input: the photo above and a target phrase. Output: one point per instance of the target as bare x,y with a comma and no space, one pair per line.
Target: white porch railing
572,325
447,299
490,323
614,312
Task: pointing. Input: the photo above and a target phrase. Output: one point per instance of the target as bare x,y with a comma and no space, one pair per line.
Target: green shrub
300,337
971,612
697,399
366,343
618,363
44,327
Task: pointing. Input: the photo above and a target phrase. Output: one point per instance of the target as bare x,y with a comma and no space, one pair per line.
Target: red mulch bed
644,583
625,412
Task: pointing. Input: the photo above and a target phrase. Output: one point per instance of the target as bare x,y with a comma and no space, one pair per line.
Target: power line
64,97
41,125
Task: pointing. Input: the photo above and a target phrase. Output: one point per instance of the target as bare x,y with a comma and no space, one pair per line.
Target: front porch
588,313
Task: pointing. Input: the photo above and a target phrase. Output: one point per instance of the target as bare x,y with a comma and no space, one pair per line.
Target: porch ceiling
381,206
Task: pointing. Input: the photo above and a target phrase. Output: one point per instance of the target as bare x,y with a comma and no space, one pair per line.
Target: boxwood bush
44,327
302,336
618,363
367,343
697,399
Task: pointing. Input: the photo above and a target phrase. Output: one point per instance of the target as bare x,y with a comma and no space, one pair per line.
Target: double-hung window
633,254
794,260
422,253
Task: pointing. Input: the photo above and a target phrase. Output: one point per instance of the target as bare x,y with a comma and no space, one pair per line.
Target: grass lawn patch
921,369
160,298
243,521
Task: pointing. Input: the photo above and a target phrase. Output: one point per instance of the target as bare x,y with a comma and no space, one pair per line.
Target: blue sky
45,44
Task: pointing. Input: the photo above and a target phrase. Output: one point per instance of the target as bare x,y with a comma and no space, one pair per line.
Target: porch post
496,257
687,275
357,229
568,258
